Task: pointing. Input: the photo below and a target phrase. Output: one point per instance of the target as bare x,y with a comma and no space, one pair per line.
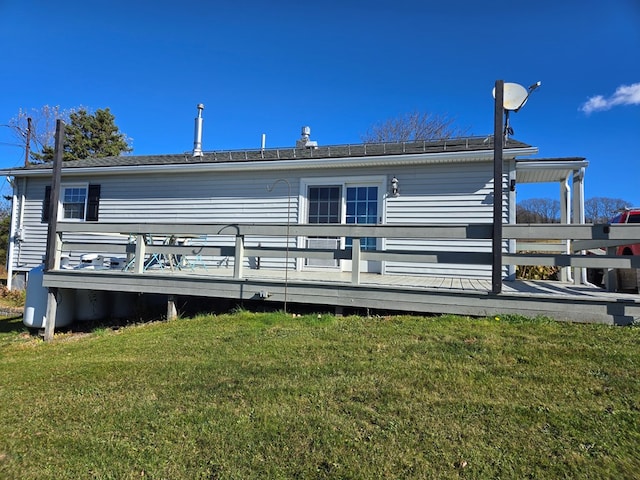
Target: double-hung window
78,202
74,202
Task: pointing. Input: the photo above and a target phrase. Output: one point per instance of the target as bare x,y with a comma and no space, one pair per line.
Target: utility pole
28,144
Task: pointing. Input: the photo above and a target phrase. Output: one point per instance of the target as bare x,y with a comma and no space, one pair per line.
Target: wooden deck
331,289
395,293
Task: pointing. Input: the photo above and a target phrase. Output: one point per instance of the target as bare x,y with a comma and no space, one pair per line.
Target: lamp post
286,258
508,97
496,245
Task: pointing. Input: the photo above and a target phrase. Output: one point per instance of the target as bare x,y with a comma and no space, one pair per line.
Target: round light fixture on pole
514,98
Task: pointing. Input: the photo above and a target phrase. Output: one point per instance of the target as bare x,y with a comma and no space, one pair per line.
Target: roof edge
266,165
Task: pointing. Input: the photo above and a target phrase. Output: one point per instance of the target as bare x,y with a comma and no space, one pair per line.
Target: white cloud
624,95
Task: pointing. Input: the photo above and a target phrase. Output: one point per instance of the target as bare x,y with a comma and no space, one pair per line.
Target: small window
77,202
74,203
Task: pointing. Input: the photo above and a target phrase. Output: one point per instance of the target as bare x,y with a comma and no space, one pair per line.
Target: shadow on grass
12,324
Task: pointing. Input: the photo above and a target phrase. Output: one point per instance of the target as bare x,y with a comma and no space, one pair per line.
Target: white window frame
61,212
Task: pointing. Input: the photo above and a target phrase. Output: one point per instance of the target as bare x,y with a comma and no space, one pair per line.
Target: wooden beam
551,299
578,261
52,260
141,246
356,256
435,231
53,239
239,257
172,311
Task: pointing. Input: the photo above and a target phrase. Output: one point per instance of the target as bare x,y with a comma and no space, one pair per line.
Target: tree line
546,210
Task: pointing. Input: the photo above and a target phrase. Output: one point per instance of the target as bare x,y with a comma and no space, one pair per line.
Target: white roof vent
304,141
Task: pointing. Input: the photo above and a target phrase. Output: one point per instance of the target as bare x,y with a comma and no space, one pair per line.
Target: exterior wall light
395,190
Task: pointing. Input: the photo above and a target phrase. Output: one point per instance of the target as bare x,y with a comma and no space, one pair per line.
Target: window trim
91,205
380,181
63,188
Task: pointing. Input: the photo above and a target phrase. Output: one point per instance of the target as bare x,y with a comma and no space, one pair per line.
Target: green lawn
268,396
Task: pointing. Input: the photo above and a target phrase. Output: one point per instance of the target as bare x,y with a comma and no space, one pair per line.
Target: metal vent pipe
197,138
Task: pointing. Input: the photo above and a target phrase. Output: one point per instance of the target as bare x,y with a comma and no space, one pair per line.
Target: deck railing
580,237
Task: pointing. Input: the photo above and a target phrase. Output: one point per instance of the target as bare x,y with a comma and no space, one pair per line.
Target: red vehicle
627,278
628,215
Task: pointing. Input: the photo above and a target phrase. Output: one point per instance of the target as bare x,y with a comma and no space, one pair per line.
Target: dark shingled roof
291,153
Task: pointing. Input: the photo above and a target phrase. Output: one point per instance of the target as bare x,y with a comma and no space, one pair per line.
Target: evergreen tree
89,136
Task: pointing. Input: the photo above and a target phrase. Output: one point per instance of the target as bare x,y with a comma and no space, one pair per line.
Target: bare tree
43,126
413,126
545,210
538,210
602,209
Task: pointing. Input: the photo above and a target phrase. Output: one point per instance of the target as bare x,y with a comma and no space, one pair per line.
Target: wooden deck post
239,257
140,253
611,274
356,256
579,274
54,239
565,210
172,311
52,311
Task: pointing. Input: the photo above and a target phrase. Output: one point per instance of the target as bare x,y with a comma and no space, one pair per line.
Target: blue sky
338,66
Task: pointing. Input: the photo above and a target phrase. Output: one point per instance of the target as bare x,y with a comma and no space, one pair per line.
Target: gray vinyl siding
168,198
213,198
443,194
439,193
29,253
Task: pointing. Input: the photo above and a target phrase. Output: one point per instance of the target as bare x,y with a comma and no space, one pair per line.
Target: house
441,182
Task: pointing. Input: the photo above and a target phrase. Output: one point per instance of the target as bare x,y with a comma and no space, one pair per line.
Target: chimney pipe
197,139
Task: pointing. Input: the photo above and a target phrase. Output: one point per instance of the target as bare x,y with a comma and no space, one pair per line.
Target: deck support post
356,256
611,274
50,316
140,253
577,210
565,209
239,257
172,311
54,238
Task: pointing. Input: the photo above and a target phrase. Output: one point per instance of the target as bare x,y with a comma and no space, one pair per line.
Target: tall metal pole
498,139
286,258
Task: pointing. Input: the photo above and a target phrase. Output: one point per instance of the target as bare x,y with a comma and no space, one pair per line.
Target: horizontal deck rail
130,240
624,233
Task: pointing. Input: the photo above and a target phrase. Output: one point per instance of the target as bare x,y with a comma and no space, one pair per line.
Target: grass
11,299
247,395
